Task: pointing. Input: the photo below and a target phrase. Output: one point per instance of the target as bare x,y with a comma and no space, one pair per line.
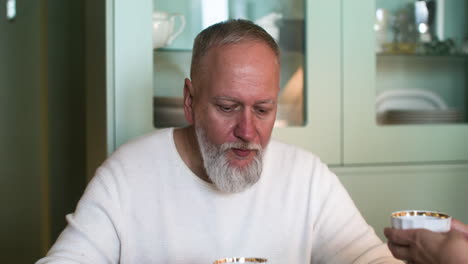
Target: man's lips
242,152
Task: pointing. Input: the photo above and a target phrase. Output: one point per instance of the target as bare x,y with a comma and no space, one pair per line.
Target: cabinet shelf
422,56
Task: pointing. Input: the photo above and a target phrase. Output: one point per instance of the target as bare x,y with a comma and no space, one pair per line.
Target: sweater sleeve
340,232
92,234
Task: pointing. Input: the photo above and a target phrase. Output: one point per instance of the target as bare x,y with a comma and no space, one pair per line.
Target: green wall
23,133
42,119
66,108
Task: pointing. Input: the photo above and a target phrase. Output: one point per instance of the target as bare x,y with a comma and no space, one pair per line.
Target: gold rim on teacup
420,213
240,260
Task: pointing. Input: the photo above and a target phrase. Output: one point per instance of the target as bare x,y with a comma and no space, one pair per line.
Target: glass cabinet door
421,61
176,24
404,81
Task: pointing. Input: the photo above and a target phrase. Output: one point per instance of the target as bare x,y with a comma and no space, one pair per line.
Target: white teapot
163,28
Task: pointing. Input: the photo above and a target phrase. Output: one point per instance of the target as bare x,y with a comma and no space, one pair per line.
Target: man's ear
188,101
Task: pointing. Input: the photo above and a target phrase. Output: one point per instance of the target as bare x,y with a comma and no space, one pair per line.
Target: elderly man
220,187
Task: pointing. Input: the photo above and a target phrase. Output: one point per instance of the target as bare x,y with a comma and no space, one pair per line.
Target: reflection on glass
282,19
421,61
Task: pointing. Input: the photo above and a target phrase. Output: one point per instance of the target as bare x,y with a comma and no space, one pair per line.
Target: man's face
234,100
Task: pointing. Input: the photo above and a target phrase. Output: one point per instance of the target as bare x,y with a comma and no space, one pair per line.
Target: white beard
225,177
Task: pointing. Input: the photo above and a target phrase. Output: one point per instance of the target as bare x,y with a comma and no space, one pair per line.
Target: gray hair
228,32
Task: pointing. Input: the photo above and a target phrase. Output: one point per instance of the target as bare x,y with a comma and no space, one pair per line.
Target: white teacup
164,28
414,219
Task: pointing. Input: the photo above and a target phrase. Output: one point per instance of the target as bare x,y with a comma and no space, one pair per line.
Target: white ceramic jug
163,28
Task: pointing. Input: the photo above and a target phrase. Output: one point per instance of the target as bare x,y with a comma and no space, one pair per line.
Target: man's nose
245,129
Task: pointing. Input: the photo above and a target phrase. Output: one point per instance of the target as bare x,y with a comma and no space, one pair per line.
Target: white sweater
145,206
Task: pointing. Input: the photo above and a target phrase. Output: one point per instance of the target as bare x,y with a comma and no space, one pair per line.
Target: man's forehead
237,72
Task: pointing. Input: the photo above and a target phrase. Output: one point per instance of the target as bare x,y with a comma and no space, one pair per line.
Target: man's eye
226,108
263,111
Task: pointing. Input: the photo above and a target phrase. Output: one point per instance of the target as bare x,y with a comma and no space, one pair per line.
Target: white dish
408,99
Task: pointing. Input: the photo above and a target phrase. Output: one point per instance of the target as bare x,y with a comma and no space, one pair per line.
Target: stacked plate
414,106
420,116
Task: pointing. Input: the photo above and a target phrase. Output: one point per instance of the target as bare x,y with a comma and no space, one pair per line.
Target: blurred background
48,59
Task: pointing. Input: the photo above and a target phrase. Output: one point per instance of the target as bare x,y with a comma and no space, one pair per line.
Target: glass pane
421,61
283,19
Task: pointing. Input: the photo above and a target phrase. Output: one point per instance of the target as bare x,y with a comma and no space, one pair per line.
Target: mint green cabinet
340,65
128,70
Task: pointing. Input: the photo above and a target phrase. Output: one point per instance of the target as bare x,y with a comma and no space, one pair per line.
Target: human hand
460,227
424,246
